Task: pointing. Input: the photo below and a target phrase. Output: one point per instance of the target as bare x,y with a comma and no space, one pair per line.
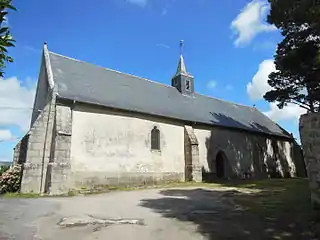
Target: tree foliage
5,36
297,76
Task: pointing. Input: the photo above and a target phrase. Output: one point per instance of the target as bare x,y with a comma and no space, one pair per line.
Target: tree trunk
310,97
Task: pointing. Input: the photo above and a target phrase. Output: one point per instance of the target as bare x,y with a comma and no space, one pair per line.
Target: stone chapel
94,126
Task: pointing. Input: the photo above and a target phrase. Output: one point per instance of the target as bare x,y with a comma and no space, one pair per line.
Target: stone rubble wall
309,127
20,150
39,149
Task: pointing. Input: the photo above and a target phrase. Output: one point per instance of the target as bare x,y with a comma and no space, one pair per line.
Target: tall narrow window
155,139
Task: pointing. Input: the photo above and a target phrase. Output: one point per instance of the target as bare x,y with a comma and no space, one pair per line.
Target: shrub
10,180
3,169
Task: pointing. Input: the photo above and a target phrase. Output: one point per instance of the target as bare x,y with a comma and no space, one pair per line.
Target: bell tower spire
181,66
182,80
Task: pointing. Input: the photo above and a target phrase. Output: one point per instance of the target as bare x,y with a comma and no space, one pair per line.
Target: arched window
155,139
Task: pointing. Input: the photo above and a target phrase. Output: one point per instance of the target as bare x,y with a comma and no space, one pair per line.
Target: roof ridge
113,70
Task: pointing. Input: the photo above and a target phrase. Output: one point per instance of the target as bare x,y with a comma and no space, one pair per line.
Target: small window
155,139
187,85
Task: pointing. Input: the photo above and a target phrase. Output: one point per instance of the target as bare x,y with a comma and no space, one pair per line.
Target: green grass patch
21,195
276,196
100,189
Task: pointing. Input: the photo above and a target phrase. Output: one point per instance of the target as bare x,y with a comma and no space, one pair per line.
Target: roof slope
85,82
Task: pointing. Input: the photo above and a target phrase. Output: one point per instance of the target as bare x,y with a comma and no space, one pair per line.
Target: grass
283,205
21,195
291,196
99,189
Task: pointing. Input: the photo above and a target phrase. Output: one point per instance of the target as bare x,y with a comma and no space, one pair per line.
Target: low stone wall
309,127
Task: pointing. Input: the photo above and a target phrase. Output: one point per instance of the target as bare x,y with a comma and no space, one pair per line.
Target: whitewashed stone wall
309,127
112,147
246,152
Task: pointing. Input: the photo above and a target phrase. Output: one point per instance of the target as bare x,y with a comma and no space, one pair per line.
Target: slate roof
85,82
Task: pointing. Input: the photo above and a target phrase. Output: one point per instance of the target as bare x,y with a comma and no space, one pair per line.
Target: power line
10,140
16,108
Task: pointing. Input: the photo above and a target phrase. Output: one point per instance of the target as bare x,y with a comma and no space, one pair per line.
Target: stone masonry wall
58,171
16,153
39,146
20,150
309,127
193,169
245,152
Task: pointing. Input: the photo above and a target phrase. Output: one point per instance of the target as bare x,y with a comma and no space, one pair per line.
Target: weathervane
181,46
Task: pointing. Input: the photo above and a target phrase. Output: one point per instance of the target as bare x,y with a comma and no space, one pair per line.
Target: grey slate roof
85,82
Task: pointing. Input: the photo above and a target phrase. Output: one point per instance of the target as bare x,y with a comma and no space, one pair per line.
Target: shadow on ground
272,209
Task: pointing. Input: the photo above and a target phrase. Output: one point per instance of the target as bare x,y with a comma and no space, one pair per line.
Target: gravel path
177,213
115,215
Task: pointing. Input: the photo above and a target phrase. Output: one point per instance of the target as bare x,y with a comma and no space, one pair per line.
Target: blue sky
228,48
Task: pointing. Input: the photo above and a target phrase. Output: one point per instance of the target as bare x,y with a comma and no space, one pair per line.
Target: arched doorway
220,164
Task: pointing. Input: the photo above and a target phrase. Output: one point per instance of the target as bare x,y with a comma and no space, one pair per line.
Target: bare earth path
179,213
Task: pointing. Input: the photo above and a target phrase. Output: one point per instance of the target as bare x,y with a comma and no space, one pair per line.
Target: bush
10,180
3,169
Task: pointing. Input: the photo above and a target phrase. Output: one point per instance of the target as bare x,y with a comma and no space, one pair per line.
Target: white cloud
250,22
289,112
140,3
16,102
211,84
162,45
259,85
5,160
6,135
5,22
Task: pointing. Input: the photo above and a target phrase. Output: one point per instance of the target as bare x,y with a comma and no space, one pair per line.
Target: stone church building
95,126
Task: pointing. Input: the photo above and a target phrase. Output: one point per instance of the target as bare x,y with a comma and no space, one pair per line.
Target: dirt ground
269,209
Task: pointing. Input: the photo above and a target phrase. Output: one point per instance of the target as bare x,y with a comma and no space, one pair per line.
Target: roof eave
289,137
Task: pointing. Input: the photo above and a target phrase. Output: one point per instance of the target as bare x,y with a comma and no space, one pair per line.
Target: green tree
5,36
297,76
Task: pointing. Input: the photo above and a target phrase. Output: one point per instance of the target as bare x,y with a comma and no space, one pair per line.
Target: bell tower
182,80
